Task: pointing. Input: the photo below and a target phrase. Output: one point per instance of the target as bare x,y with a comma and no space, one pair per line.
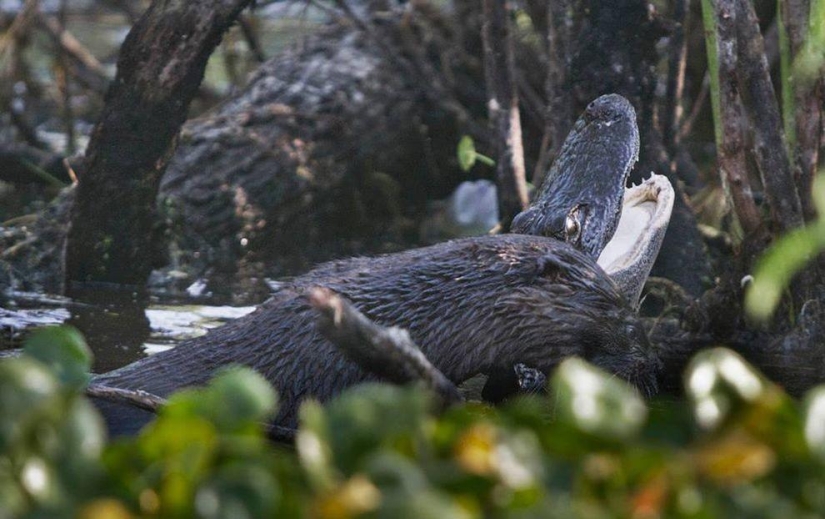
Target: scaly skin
588,178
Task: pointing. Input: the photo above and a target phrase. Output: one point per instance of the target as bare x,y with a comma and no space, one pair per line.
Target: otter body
472,305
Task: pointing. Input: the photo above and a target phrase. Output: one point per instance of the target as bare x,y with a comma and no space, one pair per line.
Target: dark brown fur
471,305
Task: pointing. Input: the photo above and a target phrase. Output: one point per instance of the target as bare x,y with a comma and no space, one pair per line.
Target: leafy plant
467,154
737,446
785,258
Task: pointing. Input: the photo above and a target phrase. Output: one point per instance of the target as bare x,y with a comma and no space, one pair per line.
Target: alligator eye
571,226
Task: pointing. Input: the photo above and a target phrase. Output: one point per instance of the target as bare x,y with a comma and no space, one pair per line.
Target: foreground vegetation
736,445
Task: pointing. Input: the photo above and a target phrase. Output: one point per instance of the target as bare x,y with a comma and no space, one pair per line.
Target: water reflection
114,323
118,328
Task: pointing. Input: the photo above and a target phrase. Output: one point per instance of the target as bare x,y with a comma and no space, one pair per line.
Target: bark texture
160,69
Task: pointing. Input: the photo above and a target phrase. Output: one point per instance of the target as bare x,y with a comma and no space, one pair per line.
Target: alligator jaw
629,255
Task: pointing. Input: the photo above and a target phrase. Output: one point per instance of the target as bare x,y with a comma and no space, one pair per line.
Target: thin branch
502,105
675,76
95,77
132,397
153,403
387,352
64,83
696,109
251,38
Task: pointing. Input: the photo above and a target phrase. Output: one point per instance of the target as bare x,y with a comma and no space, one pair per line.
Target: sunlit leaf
786,258
597,402
815,421
243,395
727,393
466,153
716,381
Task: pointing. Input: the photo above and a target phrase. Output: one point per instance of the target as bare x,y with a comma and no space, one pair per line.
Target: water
118,332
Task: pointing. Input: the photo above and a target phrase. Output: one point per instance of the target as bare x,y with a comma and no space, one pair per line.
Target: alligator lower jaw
629,255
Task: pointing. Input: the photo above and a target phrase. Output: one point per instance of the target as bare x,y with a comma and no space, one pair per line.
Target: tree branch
387,352
160,68
771,156
502,105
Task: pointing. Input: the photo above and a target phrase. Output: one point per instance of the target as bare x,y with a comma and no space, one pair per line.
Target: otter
472,305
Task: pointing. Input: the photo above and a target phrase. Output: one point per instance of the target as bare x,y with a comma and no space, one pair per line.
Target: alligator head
581,197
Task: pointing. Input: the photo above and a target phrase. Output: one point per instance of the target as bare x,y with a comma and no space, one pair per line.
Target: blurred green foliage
736,446
785,258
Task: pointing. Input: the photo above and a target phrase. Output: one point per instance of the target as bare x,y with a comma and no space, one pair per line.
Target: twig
251,39
133,397
63,81
696,109
153,403
771,156
675,77
96,79
502,105
387,352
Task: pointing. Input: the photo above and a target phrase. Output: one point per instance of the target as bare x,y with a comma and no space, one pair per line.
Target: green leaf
238,490
64,351
466,153
242,396
784,259
370,416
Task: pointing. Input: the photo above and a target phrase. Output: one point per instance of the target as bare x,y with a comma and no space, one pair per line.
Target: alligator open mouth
631,252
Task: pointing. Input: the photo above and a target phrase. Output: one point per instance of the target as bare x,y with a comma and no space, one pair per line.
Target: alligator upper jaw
630,254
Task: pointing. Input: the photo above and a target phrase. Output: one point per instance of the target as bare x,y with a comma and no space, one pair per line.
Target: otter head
572,308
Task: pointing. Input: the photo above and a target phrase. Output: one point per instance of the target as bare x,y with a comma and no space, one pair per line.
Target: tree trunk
160,69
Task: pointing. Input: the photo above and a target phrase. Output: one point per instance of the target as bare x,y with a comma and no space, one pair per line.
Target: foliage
467,154
737,446
786,258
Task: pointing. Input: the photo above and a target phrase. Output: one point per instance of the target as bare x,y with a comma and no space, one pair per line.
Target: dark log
160,68
331,150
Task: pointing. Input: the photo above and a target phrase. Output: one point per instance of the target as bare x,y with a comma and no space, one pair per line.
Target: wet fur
472,305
